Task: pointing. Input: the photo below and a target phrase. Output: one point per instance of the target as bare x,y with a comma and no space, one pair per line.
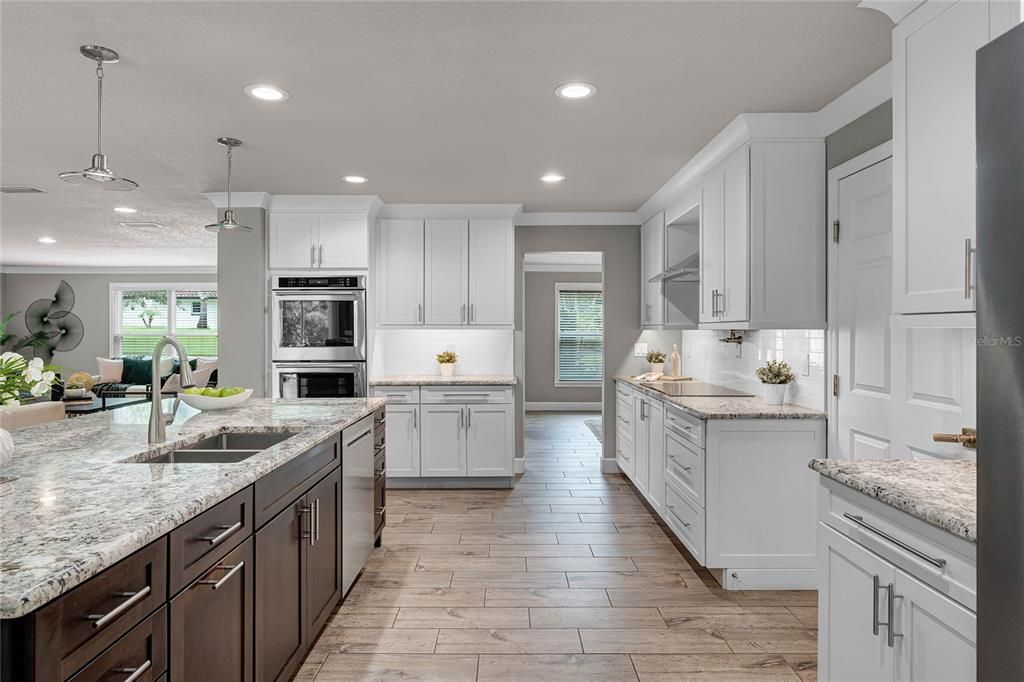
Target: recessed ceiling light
552,178
125,209
268,93
356,179
47,240
576,90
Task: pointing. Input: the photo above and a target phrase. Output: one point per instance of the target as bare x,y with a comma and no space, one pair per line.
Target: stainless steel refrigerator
1000,281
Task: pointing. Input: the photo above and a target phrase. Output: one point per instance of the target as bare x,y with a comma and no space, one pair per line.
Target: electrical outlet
639,349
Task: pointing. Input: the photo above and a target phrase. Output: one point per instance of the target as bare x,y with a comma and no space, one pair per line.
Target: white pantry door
861,292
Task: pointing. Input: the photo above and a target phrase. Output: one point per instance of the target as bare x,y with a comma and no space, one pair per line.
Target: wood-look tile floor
567,577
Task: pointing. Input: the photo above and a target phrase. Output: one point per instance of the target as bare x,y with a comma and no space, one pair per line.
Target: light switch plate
639,349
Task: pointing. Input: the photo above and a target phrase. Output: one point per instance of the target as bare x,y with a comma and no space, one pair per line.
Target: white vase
658,367
447,368
6,447
775,394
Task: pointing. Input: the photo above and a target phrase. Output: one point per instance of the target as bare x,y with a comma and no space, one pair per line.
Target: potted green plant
776,375
446,361
657,360
20,376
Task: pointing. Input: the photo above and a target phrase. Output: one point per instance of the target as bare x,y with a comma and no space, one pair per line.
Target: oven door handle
293,366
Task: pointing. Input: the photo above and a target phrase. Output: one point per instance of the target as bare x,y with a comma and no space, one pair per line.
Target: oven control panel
334,282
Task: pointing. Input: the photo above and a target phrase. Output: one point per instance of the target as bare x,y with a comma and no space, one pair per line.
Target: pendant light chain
99,107
229,179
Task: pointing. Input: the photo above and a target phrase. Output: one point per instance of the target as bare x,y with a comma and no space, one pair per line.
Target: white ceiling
436,102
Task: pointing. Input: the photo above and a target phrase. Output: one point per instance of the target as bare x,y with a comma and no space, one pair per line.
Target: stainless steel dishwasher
356,500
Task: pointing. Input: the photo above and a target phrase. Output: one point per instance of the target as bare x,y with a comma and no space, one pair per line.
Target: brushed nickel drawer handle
134,673
358,438
968,252
231,570
104,619
672,508
859,520
217,539
681,466
316,522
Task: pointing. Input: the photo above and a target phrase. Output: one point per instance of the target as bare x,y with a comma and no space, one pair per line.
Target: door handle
303,510
134,673
469,419
891,640
419,312
415,424
231,570
875,622
320,261
312,255
462,313
103,619
967,437
461,418
217,539
969,251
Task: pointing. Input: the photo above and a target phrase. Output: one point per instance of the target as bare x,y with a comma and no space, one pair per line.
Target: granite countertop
942,492
72,505
437,380
727,407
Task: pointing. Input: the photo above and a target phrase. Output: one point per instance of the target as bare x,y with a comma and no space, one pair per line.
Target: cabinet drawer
684,466
397,394
198,544
624,454
284,485
140,655
624,392
77,626
624,417
466,394
686,520
687,426
914,546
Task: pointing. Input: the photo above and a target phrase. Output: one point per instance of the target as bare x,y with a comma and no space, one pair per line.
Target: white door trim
844,170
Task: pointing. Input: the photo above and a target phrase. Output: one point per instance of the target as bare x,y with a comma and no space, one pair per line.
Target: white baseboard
520,466
766,578
610,466
563,407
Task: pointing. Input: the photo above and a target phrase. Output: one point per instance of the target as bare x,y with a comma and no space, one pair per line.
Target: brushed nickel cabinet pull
134,673
892,613
320,262
231,570
103,619
875,623
859,520
316,523
312,255
217,539
968,253
462,313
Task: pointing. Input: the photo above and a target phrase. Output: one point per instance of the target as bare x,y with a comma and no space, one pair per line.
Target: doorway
563,339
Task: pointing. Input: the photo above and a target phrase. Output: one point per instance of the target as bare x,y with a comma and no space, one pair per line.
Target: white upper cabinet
652,260
314,241
491,272
446,272
934,150
400,272
762,238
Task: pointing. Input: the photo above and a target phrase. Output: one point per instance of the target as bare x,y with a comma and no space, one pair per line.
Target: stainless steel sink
224,448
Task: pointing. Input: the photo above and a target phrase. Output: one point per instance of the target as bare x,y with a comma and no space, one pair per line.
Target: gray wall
860,135
242,288
621,249
92,304
539,338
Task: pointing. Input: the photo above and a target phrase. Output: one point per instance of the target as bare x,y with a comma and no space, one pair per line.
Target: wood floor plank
338,640
407,579
510,539
459,617
577,564
808,615
545,597
417,596
541,551
508,641
623,641
372,617
668,596
472,564
596,617
606,539
399,538
488,579
405,667
419,551
561,667
771,640
724,667
625,579
717,617
777,597
804,665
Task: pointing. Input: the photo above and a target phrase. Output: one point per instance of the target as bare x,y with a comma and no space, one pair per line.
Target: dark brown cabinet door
323,566
280,573
212,623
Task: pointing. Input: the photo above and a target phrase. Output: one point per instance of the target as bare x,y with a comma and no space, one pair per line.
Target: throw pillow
110,370
207,362
200,377
137,371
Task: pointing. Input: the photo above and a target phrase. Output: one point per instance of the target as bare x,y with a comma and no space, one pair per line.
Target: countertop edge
764,411
427,380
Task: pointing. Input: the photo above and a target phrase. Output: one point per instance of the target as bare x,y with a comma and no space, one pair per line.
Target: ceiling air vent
140,224
19,189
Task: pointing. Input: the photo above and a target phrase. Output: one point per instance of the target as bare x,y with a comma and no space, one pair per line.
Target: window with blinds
579,329
141,314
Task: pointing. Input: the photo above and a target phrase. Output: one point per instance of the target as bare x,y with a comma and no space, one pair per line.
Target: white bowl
206,403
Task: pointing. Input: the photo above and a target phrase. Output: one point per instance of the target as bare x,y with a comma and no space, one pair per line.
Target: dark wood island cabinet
237,593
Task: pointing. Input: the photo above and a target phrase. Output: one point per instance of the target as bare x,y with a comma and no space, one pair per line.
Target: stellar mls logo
994,341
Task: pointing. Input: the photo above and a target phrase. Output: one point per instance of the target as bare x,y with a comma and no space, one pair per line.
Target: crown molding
106,270
239,199
894,9
562,267
874,90
465,211
362,203
567,219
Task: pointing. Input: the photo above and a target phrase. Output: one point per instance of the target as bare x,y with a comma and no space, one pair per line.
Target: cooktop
680,389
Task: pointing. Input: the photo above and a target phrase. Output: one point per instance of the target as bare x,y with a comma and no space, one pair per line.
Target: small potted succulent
657,360
446,361
78,386
776,375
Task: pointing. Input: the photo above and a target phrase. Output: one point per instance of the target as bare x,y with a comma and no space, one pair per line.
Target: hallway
566,577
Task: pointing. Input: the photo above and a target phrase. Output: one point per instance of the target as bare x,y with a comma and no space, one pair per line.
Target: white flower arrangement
20,375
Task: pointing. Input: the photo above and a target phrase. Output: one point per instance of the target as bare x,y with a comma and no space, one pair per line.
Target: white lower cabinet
879,616
641,443
449,432
443,442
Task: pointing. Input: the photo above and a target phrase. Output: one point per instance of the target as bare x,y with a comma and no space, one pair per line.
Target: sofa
132,375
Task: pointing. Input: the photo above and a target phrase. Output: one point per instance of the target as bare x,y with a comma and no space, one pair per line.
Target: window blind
141,315
579,357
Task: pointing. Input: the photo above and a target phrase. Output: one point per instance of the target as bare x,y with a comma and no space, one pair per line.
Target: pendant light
99,172
229,222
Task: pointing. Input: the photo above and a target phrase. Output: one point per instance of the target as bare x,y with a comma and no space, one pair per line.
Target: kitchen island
92,519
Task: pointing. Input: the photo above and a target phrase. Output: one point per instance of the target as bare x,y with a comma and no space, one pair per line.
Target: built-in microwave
318,319
293,380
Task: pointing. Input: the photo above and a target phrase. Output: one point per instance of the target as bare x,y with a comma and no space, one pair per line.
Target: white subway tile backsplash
412,351
706,358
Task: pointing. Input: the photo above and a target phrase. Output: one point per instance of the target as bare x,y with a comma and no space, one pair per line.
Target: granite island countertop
943,493
437,380
727,407
71,505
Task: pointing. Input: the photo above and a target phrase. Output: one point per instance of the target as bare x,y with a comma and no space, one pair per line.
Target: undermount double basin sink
224,448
